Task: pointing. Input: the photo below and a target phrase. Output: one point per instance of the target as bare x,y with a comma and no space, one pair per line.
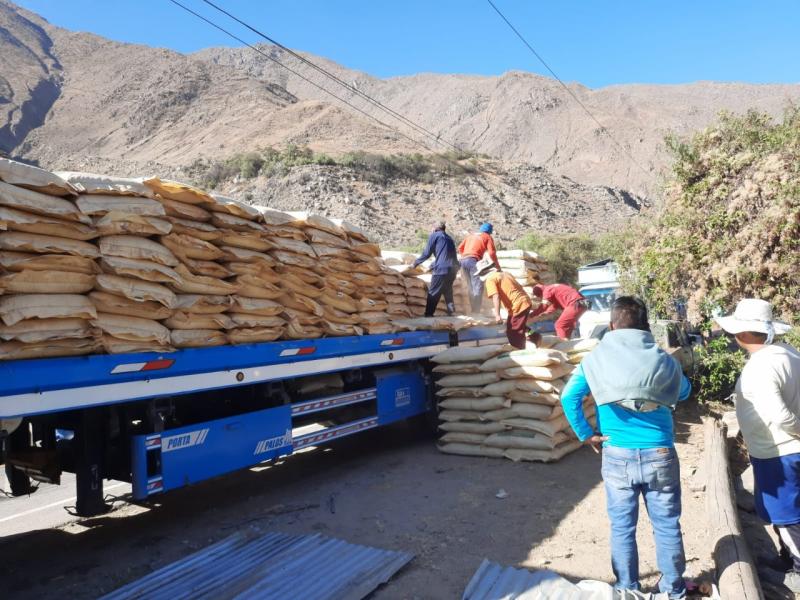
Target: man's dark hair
441,226
628,312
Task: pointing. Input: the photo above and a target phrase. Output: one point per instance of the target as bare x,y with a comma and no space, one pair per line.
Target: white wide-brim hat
755,315
484,267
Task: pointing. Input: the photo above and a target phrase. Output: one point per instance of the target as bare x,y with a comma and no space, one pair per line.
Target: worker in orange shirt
472,249
504,289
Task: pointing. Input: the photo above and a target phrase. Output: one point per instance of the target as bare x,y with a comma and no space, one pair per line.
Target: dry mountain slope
526,117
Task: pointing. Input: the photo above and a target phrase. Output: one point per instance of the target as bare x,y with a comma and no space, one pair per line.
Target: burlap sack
139,269
307,219
475,404
251,286
46,244
48,349
395,299
370,305
484,428
203,304
233,254
34,178
336,316
304,275
301,318
253,335
339,301
294,247
555,454
395,290
117,223
184,211
333,251
367,268
302,303
549,341
207,268
256,306
92,183
366,252
114,345
197,338
17,220
400,310
197,284
339,329
101,204
543,373
40,204
374,317
529,397
223,204
34,331
23,261
576,357
188,320
467,380
180,192
466,438
344,268
196,229
374,328
286,232
577,346
132,328
471,450
457,392
296,331
525,440
452,368
184,245
119,305
249,240
226,221
135,289
294,285
318,236
274,218
537,385
137,248
251,320
353,232
19,307
524,358
46,282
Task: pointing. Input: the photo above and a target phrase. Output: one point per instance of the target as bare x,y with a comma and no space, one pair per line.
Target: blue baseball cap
486,228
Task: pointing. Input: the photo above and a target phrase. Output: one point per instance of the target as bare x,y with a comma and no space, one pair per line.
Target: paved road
46,507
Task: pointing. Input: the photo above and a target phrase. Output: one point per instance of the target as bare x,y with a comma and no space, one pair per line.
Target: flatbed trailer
164,421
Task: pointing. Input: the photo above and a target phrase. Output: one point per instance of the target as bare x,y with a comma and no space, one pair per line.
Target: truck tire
18,481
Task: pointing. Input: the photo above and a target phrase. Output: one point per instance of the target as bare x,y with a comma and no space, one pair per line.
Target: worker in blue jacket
444,270
636,386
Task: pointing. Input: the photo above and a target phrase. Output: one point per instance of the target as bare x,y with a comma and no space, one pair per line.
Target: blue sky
597,43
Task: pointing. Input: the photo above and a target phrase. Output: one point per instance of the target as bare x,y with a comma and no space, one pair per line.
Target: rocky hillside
74,100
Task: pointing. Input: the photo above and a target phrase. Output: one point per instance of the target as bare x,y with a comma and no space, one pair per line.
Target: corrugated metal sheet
495,582
274,565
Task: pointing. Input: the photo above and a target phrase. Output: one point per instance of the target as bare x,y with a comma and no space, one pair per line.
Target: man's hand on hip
596,442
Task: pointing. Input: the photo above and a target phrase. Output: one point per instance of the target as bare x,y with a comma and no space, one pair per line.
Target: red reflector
155,365
398,342
307,350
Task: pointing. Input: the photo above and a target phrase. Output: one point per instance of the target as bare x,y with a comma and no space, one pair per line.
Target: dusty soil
390,489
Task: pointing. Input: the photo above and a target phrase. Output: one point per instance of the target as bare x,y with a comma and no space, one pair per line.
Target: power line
306,79
566,87
332,76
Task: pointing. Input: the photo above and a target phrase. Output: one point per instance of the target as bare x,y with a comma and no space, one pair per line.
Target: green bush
718,368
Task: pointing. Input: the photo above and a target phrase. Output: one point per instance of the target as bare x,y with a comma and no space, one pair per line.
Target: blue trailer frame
160,456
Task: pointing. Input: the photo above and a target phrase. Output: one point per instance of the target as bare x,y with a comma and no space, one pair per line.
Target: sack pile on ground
90,263
528,268
506,404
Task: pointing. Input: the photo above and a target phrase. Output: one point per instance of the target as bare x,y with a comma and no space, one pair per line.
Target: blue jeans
474,283
654,473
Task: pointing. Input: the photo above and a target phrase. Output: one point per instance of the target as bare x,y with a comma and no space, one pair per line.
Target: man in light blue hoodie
636,385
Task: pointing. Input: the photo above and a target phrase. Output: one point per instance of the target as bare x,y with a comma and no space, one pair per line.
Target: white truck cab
599,284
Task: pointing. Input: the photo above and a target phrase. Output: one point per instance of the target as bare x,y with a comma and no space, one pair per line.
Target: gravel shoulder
390,489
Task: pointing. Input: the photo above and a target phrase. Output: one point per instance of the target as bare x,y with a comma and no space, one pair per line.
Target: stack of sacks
130,294
47,264
518,415
528,268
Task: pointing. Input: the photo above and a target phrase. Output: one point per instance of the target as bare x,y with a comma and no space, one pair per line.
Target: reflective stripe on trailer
332,433
299,351
150,365
393,342
83,397
312,406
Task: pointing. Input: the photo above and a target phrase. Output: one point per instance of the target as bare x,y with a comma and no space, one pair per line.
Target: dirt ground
390,489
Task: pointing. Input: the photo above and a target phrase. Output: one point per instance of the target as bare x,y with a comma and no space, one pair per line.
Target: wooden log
736,571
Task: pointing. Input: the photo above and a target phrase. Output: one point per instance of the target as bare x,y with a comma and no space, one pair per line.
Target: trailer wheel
18,481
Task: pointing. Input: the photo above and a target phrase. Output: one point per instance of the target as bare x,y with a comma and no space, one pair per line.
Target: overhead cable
419,128
304,78
566,87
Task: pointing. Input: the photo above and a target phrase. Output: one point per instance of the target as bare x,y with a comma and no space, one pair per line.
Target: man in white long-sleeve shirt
768,409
